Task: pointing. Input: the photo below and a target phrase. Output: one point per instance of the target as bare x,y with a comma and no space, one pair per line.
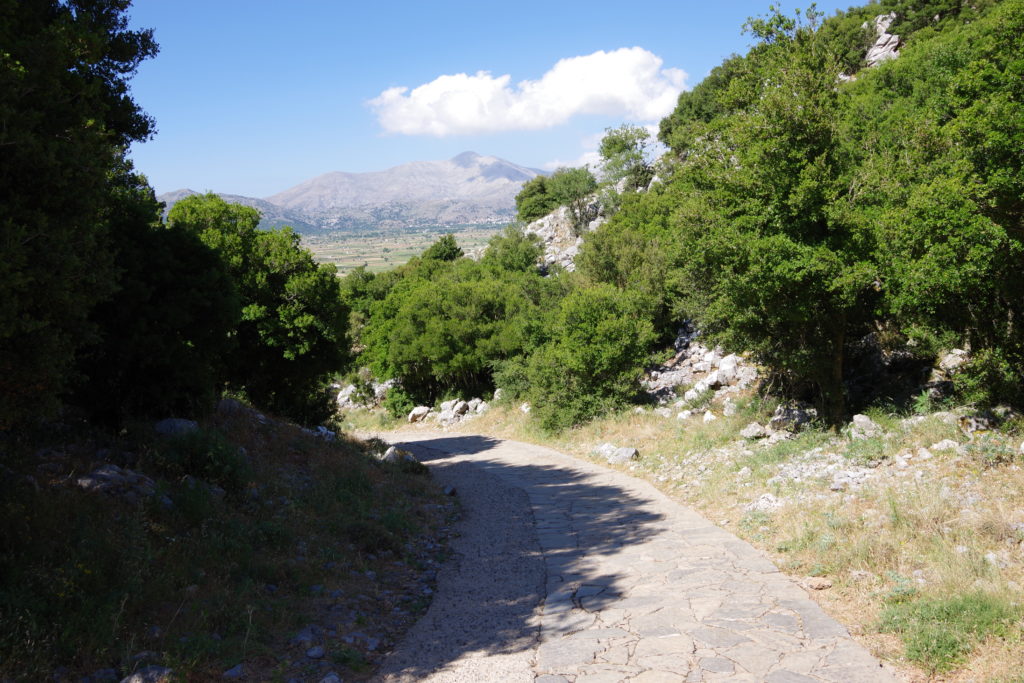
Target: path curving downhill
565,571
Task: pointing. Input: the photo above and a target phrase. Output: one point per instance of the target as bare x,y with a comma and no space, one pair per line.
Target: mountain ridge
467,189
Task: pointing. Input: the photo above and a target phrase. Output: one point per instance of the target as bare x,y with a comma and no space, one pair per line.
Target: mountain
469,188
273,216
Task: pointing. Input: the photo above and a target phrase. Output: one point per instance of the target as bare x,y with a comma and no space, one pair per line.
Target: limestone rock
791,417
149,674
886,45
863,427
615,455
176,426
623,455
766,502
419,413
753,431
818,583
395,456
460,408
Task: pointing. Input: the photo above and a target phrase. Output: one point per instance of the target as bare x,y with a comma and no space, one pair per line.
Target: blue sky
252,97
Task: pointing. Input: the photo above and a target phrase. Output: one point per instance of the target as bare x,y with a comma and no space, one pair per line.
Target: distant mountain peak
466,159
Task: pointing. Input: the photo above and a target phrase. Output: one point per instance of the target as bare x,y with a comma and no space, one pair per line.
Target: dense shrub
293,333
599,342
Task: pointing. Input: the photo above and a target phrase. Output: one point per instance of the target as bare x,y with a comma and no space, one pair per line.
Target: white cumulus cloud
628,82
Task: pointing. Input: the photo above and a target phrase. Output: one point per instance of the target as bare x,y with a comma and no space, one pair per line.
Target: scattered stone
315,652
230,407
684,415
460,407
419,413
863,427
729,407
663,412
237,671
623,455
791,417
817,583
952,361
449,490
861,575
126,484
753,431
175,426
395,455
149,674
331,677
996,561
944,445
525,408
709,417
765,503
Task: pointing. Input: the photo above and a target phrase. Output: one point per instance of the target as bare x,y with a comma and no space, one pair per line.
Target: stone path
569,572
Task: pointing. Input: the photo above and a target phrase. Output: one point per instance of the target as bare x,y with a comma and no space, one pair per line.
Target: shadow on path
528,542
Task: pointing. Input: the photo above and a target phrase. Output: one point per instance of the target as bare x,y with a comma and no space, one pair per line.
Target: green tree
442,332
164,335
572,187
534,200
946,202
444,249
625,155
65,118
774,265
514,250
292,336
593,362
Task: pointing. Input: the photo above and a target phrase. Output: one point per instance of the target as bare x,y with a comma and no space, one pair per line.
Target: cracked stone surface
565,571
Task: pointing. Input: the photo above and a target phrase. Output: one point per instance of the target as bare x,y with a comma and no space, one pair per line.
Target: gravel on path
567,572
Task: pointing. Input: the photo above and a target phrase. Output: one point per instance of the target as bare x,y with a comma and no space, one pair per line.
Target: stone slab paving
568,572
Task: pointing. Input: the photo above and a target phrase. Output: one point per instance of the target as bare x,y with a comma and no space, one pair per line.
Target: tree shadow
528,562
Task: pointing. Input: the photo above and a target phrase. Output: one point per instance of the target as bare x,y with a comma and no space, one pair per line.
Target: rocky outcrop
450,412
700,368
886,45
350,397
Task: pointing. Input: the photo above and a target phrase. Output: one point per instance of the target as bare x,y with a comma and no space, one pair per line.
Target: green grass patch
940,632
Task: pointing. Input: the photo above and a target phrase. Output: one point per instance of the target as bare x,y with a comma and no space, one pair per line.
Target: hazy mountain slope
273,216
468,188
